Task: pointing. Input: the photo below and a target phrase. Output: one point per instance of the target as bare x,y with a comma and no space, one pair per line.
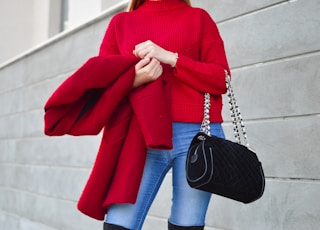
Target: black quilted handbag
221,166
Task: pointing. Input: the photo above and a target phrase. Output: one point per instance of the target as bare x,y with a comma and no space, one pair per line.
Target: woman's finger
142,63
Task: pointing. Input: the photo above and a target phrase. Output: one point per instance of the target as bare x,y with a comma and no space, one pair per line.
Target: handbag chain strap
237,121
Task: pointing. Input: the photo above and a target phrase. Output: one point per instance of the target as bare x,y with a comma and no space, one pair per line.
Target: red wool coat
99,96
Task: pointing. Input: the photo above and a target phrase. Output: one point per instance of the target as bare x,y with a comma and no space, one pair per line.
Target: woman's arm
206,74
109,45
146,70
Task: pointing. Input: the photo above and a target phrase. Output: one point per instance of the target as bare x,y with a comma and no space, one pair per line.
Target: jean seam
152,196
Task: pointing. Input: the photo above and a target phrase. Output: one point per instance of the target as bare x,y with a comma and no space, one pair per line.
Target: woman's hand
148,49
147,70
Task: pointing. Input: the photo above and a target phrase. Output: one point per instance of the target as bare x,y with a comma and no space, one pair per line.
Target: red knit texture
191,33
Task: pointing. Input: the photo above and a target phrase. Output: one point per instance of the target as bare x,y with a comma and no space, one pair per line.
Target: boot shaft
107,226
175,227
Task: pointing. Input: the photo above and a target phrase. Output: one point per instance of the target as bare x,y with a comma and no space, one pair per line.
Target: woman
170,35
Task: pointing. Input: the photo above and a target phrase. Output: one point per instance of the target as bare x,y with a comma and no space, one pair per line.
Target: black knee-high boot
107,226
175,227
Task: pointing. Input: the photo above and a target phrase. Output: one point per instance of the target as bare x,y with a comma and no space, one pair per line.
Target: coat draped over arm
99,96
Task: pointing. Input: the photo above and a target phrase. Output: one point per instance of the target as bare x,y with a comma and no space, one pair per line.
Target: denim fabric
189,206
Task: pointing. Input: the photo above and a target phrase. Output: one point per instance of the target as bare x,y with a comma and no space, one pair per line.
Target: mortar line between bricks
277,60
278,118
35,193
255,11
293,179
25,165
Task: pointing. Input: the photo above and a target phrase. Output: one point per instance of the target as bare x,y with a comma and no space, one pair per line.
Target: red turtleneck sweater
190,32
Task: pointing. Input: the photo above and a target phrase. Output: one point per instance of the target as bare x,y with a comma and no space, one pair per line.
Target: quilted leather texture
224,168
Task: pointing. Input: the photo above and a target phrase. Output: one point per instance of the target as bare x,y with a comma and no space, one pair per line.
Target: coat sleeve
208,73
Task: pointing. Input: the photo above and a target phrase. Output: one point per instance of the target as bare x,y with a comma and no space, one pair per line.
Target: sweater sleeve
206,74
109,45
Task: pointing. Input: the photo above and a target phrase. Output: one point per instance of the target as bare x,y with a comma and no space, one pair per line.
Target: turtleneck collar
162,5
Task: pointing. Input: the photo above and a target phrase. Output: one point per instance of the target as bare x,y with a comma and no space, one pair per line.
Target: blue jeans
189,206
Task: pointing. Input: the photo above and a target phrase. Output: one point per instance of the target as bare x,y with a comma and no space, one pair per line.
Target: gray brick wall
273,49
